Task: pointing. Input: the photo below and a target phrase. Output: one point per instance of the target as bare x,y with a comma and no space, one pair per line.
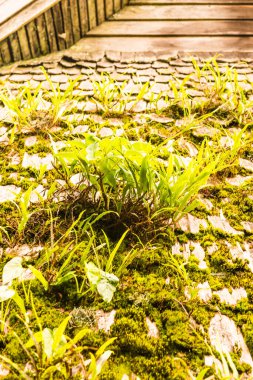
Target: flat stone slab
9,193
225,336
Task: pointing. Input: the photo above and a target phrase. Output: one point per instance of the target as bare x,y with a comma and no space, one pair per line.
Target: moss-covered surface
153,282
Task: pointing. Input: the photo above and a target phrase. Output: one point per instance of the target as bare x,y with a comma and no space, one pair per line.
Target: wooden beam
28,14
174,28
184,12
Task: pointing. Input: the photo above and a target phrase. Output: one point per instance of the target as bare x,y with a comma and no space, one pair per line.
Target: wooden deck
188,25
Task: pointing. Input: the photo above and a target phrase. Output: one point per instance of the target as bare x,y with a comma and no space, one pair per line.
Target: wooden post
75,20
109,8
5,51
42,33
100,11
51,31
83,13
59,27
24,44
15,48
33,39
67,22
92,14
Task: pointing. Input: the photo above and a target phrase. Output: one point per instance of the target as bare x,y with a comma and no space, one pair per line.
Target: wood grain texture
174,28
184,12
24,44
23,18
83,11
65,6
59,26
42,33
92,13
180,2
109,8
15,47
9,8
5,52
49,23
116,5
31,30
75,20
212,45
100,11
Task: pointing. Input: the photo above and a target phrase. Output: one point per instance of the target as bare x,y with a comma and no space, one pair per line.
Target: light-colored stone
244,252
231,298
205,292
140,106
105,132
221,223
80,129
212,248
248,226
205,131
24,250
9,193
206,202
225,336
38,194
105,320
30,141
239,180
188,249
190,223
34,161
226,142
189,146
246,164
153,331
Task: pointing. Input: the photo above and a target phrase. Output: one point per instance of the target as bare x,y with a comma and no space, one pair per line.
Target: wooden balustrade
45,26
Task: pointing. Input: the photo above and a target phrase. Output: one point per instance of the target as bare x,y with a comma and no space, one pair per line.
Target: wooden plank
75,20
124,2
25,16
92,14
184,12
100,11
59,27
108,8
179,2
173,28
49,22
67,22
42,33
116,5
11,7
31,29
83,11
15,48
168,44
24,44
5,52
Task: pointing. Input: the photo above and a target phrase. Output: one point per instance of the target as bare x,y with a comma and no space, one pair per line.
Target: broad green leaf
59,334
19,301
93,273
37,337
47,336
13,269
6,293
39,277
102,360
106,290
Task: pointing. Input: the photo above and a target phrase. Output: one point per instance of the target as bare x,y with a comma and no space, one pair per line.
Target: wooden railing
47,26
